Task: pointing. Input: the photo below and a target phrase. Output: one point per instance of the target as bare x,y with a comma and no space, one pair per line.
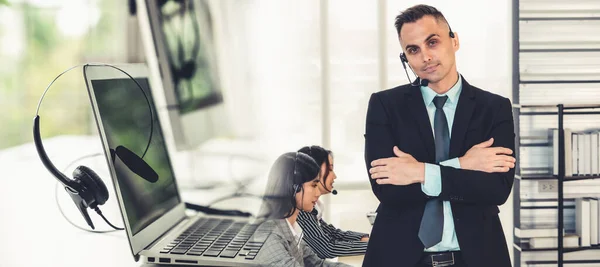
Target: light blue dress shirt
433,177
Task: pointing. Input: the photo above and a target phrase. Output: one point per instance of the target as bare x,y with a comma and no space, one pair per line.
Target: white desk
33,233
32,230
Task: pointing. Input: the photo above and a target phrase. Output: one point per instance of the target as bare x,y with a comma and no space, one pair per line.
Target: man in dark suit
440,155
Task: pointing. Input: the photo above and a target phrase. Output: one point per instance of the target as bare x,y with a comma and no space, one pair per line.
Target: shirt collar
319,208
453,94
295,228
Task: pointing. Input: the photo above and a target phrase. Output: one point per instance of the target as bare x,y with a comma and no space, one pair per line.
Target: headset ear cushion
297,188
92,181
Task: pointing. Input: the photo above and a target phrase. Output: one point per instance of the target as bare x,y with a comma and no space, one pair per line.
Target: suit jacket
281,249
398,117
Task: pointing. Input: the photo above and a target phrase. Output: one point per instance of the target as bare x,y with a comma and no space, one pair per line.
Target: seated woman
292,187
326,240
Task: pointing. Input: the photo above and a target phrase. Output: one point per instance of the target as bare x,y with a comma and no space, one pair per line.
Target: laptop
154,216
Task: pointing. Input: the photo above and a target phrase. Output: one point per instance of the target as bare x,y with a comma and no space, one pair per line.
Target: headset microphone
419,81
135,163
334,192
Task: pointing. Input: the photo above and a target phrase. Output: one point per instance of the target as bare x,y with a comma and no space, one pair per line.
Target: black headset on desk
404,60
86,189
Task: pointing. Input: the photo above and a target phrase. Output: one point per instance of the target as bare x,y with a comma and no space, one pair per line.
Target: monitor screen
182,53
187,28
128,123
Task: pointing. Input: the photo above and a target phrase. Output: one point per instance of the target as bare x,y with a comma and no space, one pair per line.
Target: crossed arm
485,176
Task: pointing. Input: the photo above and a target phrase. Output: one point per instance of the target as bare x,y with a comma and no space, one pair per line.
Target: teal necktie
432,223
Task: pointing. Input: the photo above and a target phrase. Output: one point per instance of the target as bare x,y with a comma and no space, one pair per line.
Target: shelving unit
562,110
542,60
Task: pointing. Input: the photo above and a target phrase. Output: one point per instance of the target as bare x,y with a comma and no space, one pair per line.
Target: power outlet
548,186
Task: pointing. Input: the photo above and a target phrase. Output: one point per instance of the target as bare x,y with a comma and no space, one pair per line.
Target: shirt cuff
433,177
433,180
454,163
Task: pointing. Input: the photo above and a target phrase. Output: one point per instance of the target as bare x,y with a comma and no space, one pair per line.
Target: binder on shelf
587,153
598,213
547,203
538,232
575,154
594,221
582,221
582,163
569,241
595,159
568,151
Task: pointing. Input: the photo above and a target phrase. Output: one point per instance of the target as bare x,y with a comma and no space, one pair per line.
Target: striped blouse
326,240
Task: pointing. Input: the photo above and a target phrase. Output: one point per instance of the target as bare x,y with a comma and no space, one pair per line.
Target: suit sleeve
379,143
467,186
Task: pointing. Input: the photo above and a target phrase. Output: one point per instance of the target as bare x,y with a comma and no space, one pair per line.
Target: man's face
429,48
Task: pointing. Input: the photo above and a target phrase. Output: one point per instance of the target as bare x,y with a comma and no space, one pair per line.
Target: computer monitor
182,57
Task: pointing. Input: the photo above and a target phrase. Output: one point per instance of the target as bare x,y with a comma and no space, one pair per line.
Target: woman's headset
296,187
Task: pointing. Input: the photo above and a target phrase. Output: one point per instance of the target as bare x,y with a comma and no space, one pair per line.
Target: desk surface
32,231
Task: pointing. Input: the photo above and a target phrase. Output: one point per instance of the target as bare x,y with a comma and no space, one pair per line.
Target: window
38,40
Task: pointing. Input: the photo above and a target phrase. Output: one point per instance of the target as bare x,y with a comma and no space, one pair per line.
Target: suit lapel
289,237
462,118
419,114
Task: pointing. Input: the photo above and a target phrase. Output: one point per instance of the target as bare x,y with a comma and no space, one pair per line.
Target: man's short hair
415,13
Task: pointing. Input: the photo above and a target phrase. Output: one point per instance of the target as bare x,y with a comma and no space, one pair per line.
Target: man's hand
483,157
400,170
365,239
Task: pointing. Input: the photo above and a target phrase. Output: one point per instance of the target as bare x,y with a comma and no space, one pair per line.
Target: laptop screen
128,123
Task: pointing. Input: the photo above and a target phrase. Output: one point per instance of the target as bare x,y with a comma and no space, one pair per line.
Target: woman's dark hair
286,177
320,155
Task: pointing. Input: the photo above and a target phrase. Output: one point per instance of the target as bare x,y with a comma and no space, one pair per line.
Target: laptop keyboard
212,237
